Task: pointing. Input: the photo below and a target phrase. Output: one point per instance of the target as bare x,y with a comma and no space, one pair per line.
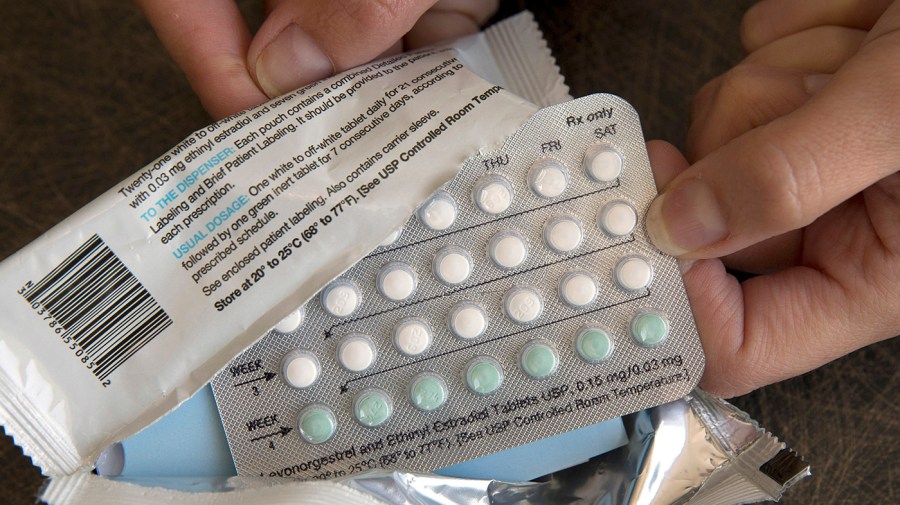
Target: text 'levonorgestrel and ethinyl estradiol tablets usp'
522,300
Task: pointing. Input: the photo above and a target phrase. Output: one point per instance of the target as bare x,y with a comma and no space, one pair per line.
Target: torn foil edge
697,450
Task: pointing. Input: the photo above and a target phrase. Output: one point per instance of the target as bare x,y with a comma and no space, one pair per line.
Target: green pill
593,344
316,424
428,392
538,359
483,375
372,408
649,328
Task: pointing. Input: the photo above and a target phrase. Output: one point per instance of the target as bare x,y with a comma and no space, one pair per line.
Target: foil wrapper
697,450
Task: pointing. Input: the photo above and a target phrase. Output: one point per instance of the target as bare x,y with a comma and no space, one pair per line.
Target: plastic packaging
122,311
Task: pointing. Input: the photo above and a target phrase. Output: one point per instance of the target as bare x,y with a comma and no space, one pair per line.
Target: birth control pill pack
521,301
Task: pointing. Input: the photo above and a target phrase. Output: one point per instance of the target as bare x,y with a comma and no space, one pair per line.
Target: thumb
784,175
303,41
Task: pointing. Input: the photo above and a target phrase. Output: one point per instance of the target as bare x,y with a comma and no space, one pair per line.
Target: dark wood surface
88,96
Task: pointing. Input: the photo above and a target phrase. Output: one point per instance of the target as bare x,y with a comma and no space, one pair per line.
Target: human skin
794,177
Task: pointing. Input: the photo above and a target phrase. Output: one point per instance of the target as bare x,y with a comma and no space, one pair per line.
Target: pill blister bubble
603,163
649,328
341,298
428,391
523,304
372,407
507,249
539,359
633,273
396,281
412,336
111,461
578,289
316,423
300,369
452,265
467,320
493,194
392,238
548,178
291,321
563,234
593,343
356,352
439,212
618,218
483,375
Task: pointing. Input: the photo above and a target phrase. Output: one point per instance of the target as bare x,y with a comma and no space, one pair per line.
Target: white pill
563,234
522,305
452,265
397,281
412,336
618,218
633,273
111,461
393,237
341,298
507,249
548,178
467,320
356,352
291,321
603,163
300,369
493,194
439,212
578,289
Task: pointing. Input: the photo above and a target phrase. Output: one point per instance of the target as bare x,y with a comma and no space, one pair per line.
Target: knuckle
786,179
729,106
742,83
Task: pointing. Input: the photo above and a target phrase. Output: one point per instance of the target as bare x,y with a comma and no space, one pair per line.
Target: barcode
101,305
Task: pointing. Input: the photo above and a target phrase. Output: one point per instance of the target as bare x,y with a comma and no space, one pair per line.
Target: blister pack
521,301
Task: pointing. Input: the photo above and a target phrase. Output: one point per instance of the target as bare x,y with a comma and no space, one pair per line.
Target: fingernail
686,218
815,82
291,60
684,266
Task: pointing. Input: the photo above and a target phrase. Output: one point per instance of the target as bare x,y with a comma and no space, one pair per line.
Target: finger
772,327
771,255
450,19
822,49
208,39
783,175
770,83
770,20
748,96
303,41
716,300
768,256
666,161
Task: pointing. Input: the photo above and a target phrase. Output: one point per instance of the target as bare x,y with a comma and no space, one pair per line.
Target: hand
300,41
795,177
